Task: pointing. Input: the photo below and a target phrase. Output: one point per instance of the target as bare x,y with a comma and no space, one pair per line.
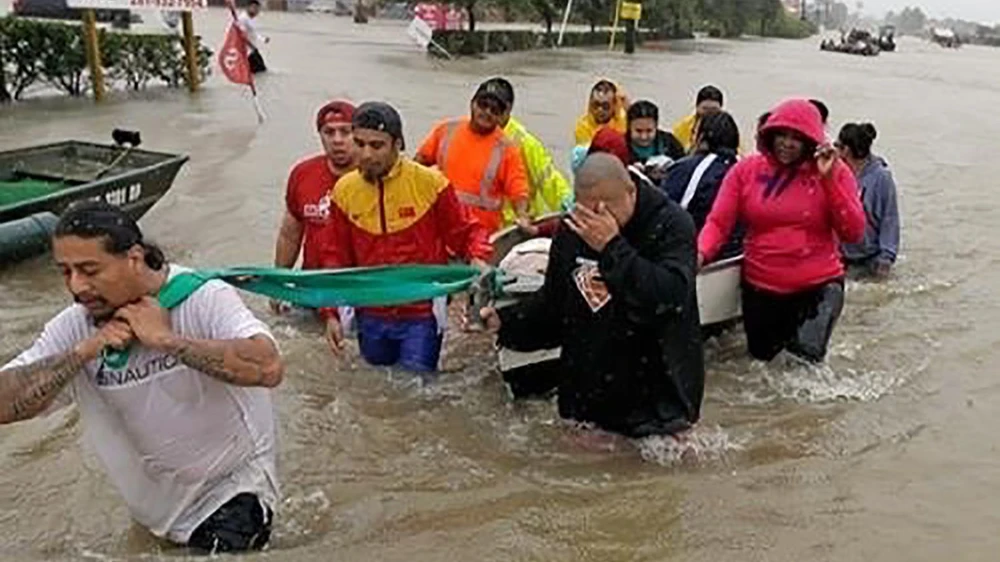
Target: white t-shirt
176,443
249,27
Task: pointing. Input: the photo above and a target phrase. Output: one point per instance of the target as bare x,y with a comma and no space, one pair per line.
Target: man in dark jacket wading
619,298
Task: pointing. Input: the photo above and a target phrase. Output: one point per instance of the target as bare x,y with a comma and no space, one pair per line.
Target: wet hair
858,138
763,119
709,93
824,111
719,131
643,109
97,219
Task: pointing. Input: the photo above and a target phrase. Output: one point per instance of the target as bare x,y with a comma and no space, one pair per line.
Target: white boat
523,261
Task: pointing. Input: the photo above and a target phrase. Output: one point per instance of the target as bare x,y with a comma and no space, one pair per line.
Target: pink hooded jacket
794,227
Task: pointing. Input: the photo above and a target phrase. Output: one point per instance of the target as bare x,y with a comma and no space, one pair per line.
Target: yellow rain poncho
549,190
587,126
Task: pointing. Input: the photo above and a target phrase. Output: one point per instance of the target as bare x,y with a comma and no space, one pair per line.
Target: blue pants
413,345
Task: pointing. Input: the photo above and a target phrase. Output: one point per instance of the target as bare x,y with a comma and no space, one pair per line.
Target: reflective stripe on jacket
550,192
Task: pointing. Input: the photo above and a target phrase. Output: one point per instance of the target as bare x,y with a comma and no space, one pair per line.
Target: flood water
887,453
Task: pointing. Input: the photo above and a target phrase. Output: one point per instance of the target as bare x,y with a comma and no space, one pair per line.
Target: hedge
787,27
39,52
463,42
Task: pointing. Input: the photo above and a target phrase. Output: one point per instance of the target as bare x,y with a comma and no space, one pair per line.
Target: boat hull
133,180
135,184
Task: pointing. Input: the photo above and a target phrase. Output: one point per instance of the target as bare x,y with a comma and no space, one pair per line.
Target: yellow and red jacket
412,216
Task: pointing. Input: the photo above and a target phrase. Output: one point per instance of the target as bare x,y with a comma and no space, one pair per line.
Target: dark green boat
38,183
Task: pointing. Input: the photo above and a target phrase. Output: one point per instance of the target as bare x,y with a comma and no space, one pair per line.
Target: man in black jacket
619,298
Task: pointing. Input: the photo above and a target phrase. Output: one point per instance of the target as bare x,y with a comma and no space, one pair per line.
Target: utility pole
93,51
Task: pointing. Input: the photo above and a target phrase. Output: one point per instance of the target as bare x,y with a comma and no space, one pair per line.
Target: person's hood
612,142
621,97
798,115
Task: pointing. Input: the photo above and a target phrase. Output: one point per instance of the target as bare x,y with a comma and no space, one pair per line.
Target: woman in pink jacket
798,202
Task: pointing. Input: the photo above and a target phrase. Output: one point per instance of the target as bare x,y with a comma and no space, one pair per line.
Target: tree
678,16
547,11
912,21
729,16
595,12
5,96
837,17
768,11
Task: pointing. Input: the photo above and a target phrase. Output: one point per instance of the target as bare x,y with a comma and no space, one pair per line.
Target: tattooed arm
244,356
248,362
27,390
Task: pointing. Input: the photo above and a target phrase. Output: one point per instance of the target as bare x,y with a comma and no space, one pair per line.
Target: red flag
233,57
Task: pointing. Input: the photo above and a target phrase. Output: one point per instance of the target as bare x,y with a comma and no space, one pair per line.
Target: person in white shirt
181,414
247,23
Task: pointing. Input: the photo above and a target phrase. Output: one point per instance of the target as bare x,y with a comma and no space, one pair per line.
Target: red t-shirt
308,200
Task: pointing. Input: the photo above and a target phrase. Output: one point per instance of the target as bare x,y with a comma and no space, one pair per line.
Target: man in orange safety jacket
481,162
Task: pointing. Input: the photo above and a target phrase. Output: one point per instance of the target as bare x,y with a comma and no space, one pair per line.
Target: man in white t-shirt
181,415
248,23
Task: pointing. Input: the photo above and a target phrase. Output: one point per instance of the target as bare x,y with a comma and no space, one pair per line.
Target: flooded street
887,453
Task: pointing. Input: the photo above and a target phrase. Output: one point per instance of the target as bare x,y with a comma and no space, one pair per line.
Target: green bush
63,59
136,60
787,26
20,50
33,51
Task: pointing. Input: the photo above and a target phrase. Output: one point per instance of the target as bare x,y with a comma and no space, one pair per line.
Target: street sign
170,5
631,11
420,31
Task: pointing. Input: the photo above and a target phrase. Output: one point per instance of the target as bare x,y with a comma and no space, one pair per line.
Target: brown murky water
886,454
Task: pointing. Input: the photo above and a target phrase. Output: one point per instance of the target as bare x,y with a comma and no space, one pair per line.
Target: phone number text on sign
170,4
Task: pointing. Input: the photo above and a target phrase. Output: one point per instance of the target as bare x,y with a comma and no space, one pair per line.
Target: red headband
334,112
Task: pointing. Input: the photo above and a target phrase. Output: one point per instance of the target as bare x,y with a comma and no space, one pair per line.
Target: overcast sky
976,10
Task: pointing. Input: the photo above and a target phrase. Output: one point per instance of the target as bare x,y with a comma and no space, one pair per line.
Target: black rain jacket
635,366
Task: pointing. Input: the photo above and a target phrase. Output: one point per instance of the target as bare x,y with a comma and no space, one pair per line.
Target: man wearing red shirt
305,227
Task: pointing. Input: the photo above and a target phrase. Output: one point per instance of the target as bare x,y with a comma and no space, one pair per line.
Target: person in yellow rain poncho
709,100
606,107
549,192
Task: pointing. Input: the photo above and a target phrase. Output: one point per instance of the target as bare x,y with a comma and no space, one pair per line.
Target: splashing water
789,378
300,513
701,444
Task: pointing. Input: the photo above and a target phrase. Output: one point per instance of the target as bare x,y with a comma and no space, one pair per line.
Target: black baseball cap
379,116
497,88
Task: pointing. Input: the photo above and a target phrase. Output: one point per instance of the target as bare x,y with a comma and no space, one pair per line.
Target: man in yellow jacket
549,192
606,107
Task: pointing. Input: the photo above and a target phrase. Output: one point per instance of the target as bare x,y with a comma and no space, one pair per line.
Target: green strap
368,286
